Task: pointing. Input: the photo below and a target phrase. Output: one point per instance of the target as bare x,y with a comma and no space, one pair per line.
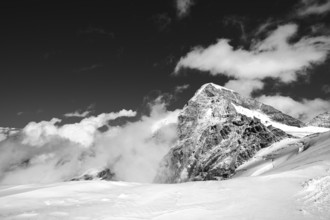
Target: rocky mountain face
322,120
215,138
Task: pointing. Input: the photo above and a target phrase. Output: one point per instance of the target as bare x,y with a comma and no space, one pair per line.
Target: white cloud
273,57
244,87
304,110
38,134
77,114
2,137
313,7
46,152
183,7
265,26
5,132
134,151
180,89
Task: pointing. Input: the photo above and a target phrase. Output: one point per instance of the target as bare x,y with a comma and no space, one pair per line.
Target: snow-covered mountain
321,120
219,130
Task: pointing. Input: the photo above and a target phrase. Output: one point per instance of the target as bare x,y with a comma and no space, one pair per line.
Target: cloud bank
46,152
83,133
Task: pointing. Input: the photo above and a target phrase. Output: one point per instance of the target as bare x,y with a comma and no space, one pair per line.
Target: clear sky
60,57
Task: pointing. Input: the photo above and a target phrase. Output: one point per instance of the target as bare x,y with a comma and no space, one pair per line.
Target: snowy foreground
289,180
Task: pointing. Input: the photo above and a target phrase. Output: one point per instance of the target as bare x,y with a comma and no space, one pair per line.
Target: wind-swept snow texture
289,180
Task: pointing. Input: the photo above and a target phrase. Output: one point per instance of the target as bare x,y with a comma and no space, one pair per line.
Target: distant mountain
322,120
218,131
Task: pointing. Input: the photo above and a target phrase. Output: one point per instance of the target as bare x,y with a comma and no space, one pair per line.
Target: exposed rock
214,139
105,174
322,120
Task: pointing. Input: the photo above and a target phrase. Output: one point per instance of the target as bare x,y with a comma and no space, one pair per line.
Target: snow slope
295,186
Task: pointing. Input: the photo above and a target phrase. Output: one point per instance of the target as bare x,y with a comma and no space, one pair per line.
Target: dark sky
60,56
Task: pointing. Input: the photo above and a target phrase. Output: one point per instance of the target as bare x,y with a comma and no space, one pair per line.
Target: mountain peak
211,94
321,120
209,88
210,85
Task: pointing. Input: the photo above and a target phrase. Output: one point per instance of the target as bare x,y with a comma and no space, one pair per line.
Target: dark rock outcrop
105,174
322,120
214,138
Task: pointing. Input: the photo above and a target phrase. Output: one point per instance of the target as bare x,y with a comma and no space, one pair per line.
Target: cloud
244,87
183,7
273,57
80,113
77,114
46,152
180,89
304,110
265,26
2,136
5,132
313,7
83,133
134,151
